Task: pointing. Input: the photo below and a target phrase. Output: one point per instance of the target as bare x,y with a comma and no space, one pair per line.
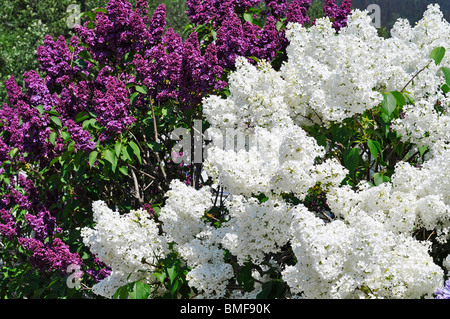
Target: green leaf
279,25
133,98
437,54
118,148
272,290
351,159
136,150
389,103
155,147
400,98
141,89
138,290
40,108
56,120
161,277
128,57
89,14
248,17
446,72
85,55
52,138
121,293
101,10
245,278
13,152
93,158
422,149
80,63
65,136
110,156
262,198
380,179
374,147
81,116
174,287
410,98
172,273
124,170
125,156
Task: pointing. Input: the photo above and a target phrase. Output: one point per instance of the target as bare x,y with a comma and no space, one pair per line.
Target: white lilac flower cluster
282,159
129,244
357,258
423,122
368,250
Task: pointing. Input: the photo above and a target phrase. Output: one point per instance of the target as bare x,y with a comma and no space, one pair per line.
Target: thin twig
155,128
416,75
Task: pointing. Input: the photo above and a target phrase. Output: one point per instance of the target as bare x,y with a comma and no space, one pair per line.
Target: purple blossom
98,274
8,226
157,24
159,67
50,256
338,14
197,11
38,92
83,139
4,151
231,41
117,32
28,130
56,59
215,11
277,8
176,70
444,292
298,11
14,91
42,224
111,105
142,10
38,229
199,73
147,207
74,98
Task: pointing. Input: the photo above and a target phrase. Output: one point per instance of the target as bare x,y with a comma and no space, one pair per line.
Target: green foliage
170,276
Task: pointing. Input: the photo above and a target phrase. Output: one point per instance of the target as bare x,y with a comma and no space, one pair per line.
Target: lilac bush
95,122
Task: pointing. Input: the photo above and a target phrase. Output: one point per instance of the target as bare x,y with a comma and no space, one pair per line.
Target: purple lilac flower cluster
235,38
215,11
444,292
338,14
99,271
242,38
169,68
38,230
27,129
83,139
117,31
56,60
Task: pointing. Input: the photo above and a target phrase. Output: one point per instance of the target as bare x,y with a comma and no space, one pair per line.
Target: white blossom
129,244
